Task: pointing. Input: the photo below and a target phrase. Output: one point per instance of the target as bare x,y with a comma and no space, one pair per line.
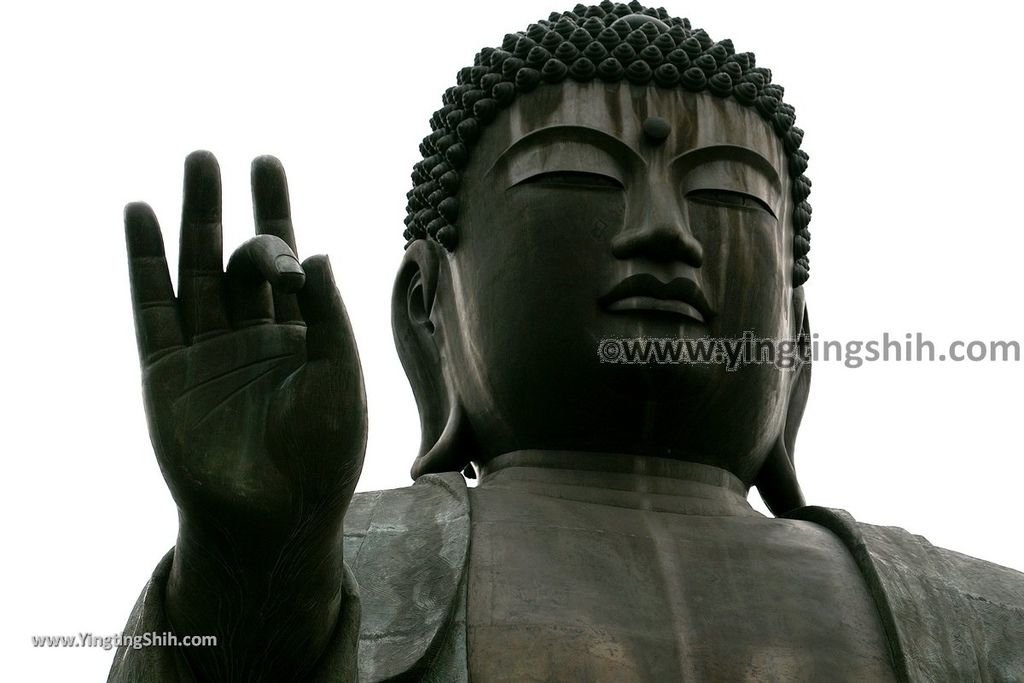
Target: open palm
253,388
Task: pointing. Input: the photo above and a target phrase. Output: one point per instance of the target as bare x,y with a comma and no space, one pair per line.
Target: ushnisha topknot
611,42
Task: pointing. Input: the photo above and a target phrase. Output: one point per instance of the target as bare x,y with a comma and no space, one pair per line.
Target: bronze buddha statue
610,172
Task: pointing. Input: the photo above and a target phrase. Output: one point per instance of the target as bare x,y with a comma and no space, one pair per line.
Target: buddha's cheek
744,272
526,283
548,261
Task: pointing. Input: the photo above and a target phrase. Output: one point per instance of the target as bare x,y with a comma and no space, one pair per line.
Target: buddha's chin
660,382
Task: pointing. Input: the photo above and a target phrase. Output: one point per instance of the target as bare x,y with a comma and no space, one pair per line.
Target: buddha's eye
731,199
579,179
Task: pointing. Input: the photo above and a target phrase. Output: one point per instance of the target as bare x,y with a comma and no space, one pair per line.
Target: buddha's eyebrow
586,135
744,155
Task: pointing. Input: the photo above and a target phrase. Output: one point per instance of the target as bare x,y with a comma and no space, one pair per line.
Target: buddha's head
607,174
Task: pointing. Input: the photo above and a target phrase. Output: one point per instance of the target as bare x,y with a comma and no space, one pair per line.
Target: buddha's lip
644,292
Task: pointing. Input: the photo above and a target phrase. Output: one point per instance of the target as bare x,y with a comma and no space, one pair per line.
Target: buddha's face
577,226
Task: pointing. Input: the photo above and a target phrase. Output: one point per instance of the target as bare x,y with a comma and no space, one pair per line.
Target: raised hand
255,402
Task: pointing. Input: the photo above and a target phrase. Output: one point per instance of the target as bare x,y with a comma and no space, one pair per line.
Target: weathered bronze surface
563,199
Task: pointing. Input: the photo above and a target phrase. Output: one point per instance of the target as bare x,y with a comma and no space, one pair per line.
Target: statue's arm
273,607
337,664
256,409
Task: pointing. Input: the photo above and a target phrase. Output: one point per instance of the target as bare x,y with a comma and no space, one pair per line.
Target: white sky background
912,126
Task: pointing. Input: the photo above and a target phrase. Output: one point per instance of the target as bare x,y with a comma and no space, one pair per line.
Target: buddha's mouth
646,293
647,303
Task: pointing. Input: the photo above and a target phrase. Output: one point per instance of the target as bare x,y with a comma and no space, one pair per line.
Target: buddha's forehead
696,119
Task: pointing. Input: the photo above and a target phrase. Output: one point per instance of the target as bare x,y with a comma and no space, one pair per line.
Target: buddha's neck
632,481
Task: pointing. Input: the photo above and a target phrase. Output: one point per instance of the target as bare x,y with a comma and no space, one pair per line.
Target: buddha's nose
663,236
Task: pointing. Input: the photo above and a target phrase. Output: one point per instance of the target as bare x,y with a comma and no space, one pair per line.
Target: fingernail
291,277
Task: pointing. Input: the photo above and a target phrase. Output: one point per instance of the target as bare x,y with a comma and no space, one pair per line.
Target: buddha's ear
777,482
413,320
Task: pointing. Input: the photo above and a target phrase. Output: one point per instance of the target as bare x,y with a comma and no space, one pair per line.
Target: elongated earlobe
445,441
452,450
777,482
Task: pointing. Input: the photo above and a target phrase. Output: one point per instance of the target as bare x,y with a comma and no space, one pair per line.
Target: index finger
200,260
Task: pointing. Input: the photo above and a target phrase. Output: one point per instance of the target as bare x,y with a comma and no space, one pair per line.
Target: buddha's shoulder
406,549
988,587
926,574
892,542
435,504
948,616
